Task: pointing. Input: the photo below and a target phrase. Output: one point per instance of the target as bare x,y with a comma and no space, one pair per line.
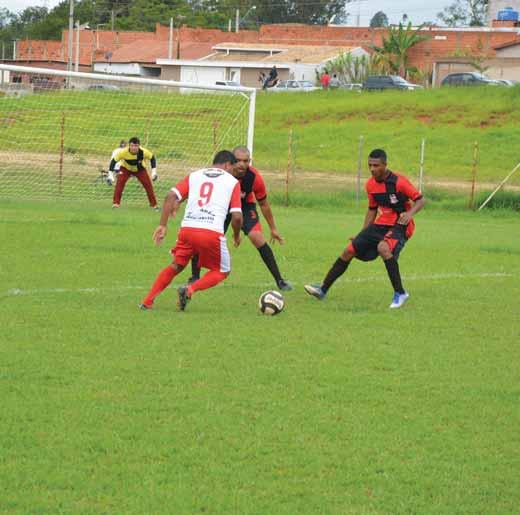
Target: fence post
421,165
289,165
473,176
62,150
215,136
508,176
359,169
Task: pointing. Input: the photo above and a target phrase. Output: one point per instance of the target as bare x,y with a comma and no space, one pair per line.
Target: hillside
327,127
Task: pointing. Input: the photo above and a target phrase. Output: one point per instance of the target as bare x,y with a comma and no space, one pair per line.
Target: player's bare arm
236,225
170,207
406,217
269,218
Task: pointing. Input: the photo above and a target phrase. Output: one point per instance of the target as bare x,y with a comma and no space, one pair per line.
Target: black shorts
365,243
251,221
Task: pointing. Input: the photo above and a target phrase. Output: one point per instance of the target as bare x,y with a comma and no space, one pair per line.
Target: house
244,62
208,54
139,58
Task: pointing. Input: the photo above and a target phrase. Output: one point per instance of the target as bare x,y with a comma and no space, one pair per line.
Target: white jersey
211,193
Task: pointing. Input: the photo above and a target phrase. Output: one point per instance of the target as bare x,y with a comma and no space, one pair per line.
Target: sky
416,10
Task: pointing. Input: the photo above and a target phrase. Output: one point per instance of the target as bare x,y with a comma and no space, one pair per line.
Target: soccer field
340,406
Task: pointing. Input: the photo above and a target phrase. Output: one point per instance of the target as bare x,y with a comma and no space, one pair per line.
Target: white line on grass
16,292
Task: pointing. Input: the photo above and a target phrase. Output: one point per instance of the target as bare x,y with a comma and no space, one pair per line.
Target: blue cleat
284,285
399,299
315,290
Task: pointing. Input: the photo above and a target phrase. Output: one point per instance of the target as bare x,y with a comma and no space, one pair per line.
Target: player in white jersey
211,193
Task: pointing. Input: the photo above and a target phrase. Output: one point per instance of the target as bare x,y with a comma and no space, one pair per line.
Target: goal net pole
509,175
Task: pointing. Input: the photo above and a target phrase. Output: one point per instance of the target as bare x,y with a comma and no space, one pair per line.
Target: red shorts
210,246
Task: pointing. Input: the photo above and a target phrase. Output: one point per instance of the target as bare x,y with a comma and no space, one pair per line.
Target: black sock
270,262
337,270
392,267
195,269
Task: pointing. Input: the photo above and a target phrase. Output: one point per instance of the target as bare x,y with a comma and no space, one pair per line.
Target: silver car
294,85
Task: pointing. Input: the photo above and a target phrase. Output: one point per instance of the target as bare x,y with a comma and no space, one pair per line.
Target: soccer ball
271,302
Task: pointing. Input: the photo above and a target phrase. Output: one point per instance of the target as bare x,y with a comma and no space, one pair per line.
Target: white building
244,62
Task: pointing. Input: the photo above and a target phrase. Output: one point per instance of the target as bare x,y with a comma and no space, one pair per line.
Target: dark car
381,82
468,79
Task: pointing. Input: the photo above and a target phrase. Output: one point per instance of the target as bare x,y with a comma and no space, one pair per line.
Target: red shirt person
392,202
211,194
253,190
325,80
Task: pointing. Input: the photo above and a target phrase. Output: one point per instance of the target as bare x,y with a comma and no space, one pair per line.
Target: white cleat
399,299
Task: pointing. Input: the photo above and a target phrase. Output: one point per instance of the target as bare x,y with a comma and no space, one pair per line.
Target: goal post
59,129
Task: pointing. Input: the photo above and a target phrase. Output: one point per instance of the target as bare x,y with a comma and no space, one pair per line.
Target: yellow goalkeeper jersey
134,162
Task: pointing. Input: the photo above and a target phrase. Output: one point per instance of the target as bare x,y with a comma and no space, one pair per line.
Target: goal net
59,129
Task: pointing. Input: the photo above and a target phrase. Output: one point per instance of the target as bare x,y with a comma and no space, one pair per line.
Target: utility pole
237,20
113,18
179,41
170,40
71,32
76,65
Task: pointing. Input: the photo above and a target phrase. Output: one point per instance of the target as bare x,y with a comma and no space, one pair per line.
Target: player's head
123,143
377,164
133,145
225,160
243,157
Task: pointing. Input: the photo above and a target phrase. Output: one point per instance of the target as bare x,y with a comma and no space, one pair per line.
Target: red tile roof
142,51
508,44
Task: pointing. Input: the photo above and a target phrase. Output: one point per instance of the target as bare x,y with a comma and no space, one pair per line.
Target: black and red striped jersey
252,186
391,197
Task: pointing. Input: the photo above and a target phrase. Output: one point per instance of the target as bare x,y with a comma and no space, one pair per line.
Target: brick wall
442,43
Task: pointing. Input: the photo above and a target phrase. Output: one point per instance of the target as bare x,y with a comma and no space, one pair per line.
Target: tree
393,54
460,13
318,12
350,69
380,19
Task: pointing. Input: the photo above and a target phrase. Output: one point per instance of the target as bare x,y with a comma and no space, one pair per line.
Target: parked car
103,87
468,79
293,85
231,83
45,84
353,86
507,82
381,82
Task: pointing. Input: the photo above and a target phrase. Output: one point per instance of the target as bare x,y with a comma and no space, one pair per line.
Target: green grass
326,129
340,406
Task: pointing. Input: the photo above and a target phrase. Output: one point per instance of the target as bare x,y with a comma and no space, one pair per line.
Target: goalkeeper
131,160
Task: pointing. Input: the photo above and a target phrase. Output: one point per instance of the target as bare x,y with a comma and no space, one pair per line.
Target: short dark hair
135,140
223,157
378,153
241,148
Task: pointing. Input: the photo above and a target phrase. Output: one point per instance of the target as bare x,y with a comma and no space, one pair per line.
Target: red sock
163,280
208,280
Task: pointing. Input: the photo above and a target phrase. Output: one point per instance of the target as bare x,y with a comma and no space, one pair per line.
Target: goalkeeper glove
110,178
154,174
